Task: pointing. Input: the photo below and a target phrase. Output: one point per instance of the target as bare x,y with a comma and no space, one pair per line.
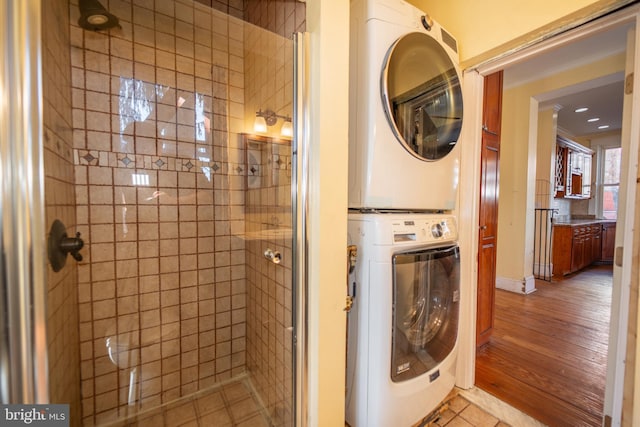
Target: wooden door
488,226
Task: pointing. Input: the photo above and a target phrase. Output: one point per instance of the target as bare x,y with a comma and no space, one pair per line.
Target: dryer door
426,296
421,96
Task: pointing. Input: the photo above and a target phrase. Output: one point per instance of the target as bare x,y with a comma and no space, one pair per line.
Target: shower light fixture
267,118
287,128
94,17
260,124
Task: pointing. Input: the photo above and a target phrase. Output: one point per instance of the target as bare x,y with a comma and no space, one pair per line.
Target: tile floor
477,408
235,404
231,404
462,413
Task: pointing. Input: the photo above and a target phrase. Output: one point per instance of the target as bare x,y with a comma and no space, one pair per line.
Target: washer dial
436,230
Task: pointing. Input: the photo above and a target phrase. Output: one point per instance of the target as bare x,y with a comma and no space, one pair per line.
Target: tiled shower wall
62,306
157,108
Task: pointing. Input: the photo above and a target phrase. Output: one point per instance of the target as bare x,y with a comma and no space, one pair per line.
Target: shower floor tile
232,404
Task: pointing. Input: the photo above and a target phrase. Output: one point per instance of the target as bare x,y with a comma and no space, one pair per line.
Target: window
610,182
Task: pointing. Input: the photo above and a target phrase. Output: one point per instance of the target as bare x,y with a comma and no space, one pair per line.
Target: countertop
572,222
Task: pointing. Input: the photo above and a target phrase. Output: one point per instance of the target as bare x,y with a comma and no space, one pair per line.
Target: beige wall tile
165,243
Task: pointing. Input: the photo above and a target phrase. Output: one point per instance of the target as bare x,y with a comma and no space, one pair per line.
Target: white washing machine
403,326
405,109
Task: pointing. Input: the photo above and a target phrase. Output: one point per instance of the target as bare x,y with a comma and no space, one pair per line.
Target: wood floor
548,352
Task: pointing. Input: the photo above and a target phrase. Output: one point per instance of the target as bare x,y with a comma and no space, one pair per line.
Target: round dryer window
422,96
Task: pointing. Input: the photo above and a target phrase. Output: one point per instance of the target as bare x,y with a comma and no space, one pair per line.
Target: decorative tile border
141,161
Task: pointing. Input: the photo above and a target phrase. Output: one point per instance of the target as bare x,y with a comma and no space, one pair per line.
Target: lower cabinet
577,249
608,241
597,243
577,246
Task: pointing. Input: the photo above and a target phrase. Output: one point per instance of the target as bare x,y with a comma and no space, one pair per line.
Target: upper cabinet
573,169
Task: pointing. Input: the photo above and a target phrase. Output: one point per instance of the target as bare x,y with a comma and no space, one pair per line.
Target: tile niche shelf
573,170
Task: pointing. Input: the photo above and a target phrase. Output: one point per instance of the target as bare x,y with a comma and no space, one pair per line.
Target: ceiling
603,96
604,103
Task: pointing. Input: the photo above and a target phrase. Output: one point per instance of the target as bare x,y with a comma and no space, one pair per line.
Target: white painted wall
485,29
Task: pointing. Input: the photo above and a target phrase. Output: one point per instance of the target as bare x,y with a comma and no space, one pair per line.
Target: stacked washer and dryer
406,119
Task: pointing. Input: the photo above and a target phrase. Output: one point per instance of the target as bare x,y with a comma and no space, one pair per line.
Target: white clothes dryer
403,325
405,109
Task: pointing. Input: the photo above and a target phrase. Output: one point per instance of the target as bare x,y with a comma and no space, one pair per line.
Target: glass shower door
184,292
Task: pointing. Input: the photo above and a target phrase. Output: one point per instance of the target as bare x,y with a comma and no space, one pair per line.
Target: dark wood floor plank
531,399
547,355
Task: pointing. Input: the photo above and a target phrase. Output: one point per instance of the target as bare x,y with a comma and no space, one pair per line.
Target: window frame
601,186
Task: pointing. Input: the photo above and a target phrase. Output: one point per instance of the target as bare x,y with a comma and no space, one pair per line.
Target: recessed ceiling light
581,109
595,119
603,127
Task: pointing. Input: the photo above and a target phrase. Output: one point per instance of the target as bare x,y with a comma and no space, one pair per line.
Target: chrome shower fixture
94,17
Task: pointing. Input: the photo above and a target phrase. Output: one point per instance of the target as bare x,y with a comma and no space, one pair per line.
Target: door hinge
628,84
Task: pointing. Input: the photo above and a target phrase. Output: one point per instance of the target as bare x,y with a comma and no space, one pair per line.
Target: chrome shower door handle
273,256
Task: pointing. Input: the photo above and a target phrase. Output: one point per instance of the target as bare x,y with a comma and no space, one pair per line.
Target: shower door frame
300,208
23,358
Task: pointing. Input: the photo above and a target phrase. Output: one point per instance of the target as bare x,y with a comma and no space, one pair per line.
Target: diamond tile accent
88,157
126,160
159,163
188,165
215,167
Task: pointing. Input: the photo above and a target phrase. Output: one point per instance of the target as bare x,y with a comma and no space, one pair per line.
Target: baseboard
529,284
523,286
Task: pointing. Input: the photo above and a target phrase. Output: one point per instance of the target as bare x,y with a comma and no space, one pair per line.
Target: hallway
548,352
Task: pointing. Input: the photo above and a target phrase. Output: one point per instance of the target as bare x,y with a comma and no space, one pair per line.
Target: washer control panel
424,229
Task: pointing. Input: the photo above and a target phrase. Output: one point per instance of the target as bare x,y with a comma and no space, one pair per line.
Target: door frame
470,182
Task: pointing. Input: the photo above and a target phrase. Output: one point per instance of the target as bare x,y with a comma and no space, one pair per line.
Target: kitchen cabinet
596,232
577,249
572,170
578,245
608,241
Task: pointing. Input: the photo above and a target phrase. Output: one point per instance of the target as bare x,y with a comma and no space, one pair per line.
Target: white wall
488,28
